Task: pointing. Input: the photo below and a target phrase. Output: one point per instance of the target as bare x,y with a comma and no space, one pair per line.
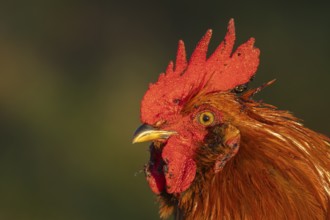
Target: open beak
148,133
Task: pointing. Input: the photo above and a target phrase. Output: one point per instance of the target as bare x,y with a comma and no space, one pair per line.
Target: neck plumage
282,171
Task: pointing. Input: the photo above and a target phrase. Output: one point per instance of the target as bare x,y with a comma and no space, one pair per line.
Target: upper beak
148,133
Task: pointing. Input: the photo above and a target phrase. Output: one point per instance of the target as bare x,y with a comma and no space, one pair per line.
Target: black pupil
206,118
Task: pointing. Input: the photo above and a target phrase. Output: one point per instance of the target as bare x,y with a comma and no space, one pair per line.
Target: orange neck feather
280,172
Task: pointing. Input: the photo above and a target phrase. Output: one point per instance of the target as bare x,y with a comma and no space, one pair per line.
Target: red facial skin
172,168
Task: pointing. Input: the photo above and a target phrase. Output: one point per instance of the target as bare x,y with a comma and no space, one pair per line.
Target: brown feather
280,172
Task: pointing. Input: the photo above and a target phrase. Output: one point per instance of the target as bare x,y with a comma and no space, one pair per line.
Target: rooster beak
148,133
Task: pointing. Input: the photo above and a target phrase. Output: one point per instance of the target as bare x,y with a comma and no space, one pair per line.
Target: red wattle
155,175
181,168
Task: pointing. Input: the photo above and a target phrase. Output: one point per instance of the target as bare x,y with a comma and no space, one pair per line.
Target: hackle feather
280,172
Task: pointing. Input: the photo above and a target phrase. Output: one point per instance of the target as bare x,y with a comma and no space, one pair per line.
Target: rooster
218,154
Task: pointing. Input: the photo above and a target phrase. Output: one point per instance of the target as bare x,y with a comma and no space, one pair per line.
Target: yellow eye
206,118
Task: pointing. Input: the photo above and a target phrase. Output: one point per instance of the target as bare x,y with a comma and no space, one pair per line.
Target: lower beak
148,133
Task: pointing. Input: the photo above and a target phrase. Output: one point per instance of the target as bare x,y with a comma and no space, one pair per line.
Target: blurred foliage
72,74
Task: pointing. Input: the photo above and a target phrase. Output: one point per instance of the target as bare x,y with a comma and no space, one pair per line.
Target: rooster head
180,118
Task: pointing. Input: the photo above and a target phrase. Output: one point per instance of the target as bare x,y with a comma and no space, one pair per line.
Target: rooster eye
206,118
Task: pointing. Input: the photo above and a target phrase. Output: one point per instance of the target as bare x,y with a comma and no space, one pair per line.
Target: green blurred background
72,74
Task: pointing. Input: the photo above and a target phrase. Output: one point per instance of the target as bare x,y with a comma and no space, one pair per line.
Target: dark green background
72,74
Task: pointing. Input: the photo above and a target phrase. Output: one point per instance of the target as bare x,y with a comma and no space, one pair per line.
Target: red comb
222,71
